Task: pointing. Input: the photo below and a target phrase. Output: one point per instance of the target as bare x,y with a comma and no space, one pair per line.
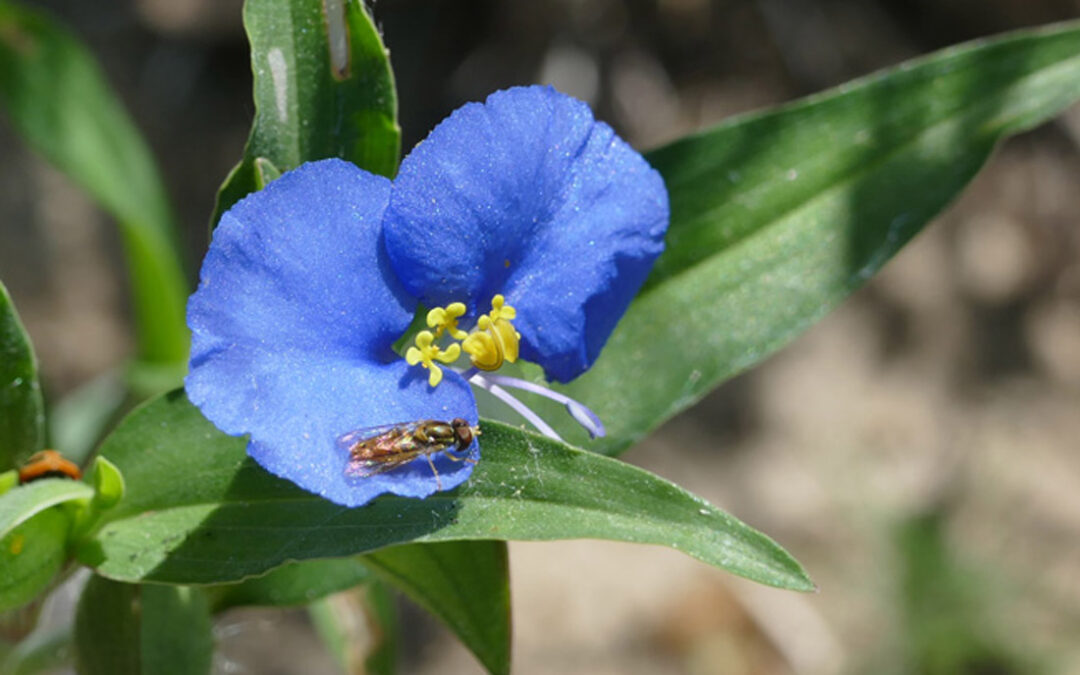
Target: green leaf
128,628
198,510
295,583
22,503
776,217
323,88
464,583
176,634
58,100
8,480
108,484
34,536
265,172
31,555
107,628
22,417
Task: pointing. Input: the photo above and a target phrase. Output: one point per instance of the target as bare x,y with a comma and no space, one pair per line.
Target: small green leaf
108,490
22,503
199,511
265,172
295,583
128,628
776,217
323,88
108,483
58,100
31,555
8,480
464,583
22,417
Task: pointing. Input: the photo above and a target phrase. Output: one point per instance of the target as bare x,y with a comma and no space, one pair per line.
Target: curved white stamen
506,397
581,413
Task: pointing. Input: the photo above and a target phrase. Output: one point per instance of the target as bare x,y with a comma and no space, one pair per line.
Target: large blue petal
529,196
291,330
317,400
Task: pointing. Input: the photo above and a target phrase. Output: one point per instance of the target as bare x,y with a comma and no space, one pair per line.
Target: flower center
492,341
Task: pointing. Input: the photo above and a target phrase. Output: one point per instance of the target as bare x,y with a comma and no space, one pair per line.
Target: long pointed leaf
197,510
22,416
778,216
57,98
323,88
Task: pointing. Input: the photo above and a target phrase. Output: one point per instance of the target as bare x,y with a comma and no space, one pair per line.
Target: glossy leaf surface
31,555
323,88
198,510
776,217
22,416
25,501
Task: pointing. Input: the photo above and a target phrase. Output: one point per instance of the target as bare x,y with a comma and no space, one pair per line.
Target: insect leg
450,456
438,481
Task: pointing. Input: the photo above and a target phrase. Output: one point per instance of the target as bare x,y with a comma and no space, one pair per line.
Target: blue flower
522,219
292,327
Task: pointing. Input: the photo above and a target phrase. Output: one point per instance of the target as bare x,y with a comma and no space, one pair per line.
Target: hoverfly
48,464
377,450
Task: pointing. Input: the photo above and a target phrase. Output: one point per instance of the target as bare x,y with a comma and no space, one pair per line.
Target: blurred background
917,450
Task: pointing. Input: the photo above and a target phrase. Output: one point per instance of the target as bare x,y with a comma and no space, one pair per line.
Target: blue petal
527,195
291,331
316,401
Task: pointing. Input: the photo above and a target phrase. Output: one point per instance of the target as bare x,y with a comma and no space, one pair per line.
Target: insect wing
364,468
376,450
348,441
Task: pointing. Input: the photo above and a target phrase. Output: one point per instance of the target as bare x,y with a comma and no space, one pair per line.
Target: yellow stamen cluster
492,342
426,352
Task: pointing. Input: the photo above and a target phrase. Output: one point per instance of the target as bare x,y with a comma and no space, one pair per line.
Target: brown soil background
945,392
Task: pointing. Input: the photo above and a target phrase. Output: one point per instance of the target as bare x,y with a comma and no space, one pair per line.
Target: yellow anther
501,310
444,320
494,340
426,353
507,337
481,347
